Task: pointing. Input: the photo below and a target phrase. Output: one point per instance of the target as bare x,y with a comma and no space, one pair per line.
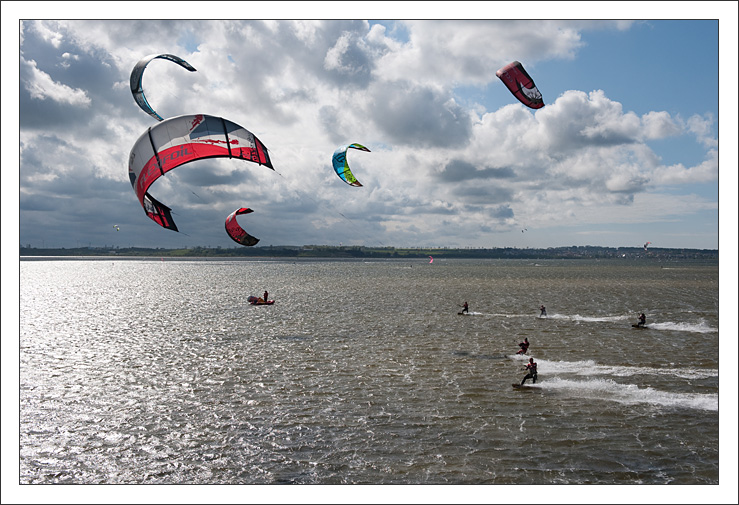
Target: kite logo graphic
172,155
531,94
196,121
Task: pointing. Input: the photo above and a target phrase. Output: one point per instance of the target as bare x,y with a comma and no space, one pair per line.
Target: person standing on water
466,308
524,346
531,367
543,310
642,320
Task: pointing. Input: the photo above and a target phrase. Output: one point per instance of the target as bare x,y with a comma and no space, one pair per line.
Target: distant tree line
327,251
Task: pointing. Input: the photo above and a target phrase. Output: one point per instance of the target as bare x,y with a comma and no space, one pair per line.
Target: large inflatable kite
520,83
180,140
341,165
137,76
236,232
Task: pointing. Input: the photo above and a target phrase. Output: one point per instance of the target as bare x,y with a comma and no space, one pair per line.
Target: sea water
157,370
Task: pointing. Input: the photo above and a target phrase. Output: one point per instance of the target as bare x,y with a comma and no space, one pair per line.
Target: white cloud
702,127
441,53
678,174
659,125
41,86
48,31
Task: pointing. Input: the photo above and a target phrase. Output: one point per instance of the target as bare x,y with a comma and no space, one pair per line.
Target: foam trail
589,319
590,368
631,394
701,327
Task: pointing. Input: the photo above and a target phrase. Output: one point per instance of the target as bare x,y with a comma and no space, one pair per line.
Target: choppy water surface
159,371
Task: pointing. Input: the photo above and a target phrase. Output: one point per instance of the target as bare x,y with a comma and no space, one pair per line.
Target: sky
625,150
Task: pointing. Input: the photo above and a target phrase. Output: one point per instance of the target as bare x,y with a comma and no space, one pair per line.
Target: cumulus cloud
678,174
443,52
41,86
419,115
701,127
659,125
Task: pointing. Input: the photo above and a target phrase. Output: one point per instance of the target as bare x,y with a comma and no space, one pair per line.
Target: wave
590,368
632,394
701,327
590,319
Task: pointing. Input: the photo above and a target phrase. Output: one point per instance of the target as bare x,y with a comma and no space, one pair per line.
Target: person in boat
265,295
543,310
532,373
466,308
642,320
524,346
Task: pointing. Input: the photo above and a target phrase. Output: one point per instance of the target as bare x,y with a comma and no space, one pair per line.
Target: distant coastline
326,251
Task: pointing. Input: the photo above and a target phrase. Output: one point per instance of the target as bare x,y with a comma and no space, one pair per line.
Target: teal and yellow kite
342,167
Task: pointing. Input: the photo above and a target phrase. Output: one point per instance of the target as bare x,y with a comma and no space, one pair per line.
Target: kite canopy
137,75
236,232
341,166
183,139
520,83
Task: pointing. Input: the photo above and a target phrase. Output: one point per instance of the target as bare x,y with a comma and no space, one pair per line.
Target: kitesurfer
531,368
524,346
642,320
543,310
466,308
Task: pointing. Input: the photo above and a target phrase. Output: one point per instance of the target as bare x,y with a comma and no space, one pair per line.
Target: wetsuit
465,308
531,367
543,311
642,320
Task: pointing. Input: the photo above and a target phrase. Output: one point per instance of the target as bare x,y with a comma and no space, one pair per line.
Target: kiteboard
637,326
516,385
